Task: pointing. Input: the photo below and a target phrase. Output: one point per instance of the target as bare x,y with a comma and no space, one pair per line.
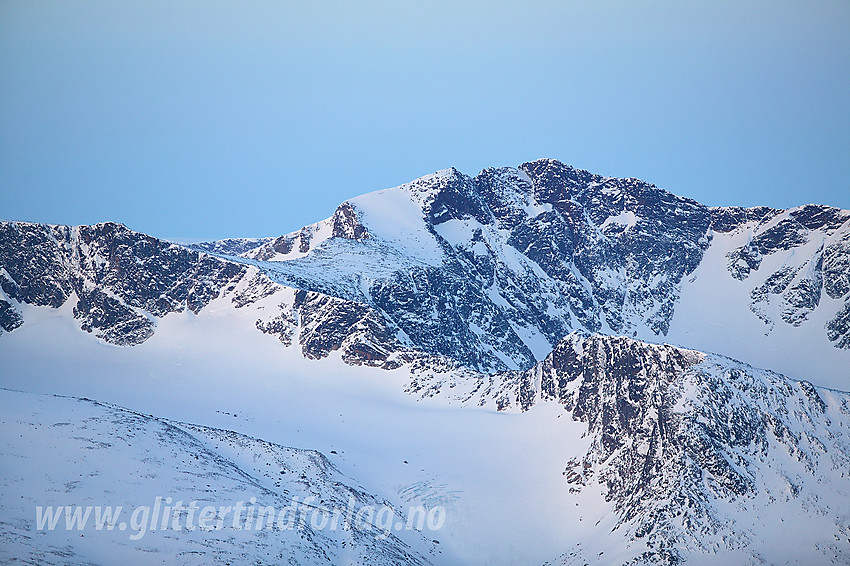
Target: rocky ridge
695,453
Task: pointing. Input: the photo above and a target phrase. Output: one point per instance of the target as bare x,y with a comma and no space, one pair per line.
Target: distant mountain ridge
615,256
490,271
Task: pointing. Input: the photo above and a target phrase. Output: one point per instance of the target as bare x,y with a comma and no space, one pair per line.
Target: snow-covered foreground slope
67,455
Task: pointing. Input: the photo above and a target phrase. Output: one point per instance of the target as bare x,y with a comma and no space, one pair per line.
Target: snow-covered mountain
536,341
494,270
490,271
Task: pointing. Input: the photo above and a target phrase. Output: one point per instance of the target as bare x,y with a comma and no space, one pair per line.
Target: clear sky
208,119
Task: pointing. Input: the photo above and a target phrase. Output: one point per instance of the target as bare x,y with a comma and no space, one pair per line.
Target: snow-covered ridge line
120,283
230,246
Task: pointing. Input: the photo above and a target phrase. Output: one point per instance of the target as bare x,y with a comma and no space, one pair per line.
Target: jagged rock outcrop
10,318
678,436
121,279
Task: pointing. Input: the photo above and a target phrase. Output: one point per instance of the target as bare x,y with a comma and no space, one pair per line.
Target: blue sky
208,119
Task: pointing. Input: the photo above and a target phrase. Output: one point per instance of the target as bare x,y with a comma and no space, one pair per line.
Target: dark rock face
505,191
258,287
547,240
345,223
121,279
329,324
152,274
838,329
662,239
836,268
453,197
727,219
666,241
798,294
10,318
34,258
819,217
283,245
322,324
785,235
557,183
802,298
112,320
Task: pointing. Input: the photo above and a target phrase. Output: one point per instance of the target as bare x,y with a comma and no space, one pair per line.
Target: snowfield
496,474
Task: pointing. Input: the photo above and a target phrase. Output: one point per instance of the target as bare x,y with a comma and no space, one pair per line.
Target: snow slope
752,319
770,455
65,451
